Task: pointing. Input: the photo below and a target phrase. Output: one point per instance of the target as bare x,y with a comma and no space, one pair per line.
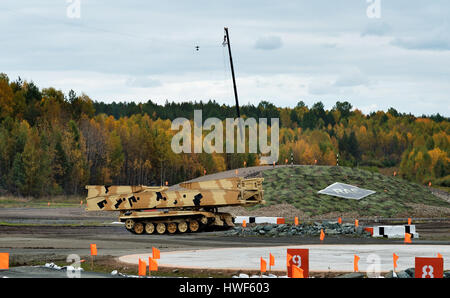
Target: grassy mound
298,186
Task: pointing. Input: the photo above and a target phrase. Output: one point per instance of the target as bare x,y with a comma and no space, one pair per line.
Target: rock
243,275
352,275
272,275
291,233
447,274
114,272
262,232
359,230
268,227
391,274
403,274
175,271
411,272
331,232
282,234
272,232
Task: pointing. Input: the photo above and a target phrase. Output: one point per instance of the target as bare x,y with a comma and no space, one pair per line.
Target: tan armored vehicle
190,207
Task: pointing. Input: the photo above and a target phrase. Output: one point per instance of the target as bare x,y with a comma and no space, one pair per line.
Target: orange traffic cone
407,238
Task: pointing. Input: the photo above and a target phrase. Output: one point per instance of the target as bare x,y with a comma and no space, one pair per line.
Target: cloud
320,88
376,28
352,77
268,43
436,40
142,82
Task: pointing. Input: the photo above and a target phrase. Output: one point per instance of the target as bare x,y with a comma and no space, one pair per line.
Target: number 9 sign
299,258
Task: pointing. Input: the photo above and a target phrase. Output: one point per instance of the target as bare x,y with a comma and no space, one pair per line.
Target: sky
374,54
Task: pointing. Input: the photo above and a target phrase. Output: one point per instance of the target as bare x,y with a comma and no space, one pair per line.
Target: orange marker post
81,203
93,253
152,265
408,238
48,204
439,255
245,163
356,223
155,253
322,235
142,270
237,172
296,221
4,260
244,223
409,221
355,263
271,261
297,272
204,172
93,249
339,220
395,258
263,265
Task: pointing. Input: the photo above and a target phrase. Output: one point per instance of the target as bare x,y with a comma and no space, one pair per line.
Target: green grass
299,186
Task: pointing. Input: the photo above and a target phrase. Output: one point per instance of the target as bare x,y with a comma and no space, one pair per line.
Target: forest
53,143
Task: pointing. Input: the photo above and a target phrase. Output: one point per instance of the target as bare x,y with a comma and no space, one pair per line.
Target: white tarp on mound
346,191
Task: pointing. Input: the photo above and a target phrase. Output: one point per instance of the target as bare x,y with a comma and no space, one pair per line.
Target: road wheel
172,227
161,228
129,224
149,228
182,227
204,220
138,228
193,225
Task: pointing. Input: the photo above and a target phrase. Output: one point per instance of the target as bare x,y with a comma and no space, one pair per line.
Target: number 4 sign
429,268
299,258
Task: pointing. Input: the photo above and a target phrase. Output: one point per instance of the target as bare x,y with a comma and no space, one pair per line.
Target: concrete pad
43,272
337,258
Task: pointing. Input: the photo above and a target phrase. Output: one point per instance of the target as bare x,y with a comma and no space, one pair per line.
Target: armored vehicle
191,206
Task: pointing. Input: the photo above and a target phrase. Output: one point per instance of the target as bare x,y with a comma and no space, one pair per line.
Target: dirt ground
38,235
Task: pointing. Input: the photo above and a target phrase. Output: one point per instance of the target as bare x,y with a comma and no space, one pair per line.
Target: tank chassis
191,206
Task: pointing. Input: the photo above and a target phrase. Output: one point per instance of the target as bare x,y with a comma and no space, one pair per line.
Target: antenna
226,41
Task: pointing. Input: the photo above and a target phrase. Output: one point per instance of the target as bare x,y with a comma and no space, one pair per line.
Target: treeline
56,143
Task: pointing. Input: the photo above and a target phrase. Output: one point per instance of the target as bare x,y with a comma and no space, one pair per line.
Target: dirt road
53,234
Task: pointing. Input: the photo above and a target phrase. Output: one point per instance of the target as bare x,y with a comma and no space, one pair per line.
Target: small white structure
395,231
346,191
259,219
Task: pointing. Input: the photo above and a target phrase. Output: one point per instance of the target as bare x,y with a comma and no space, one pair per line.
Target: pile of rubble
304,229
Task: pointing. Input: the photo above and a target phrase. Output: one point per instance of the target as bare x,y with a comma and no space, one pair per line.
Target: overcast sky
283,51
